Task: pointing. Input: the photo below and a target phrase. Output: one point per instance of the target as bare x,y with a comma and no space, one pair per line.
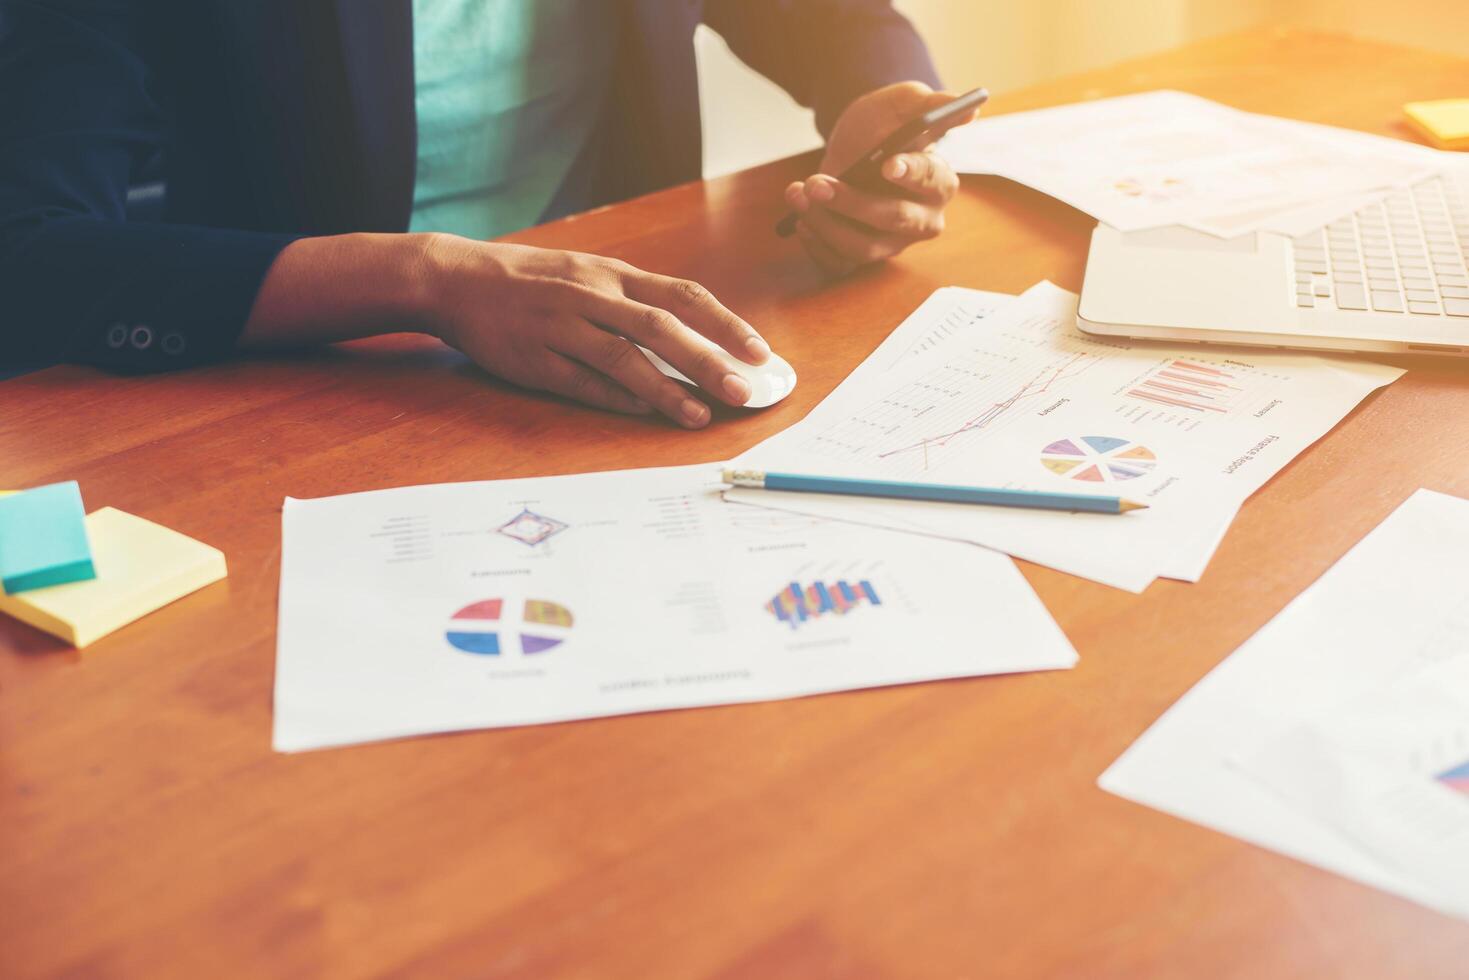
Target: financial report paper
473,605
945,318
1389,770
1165,158
1337,733
1022,399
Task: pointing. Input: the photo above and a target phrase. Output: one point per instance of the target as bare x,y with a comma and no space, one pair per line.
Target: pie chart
497,627
1098,459
1457,778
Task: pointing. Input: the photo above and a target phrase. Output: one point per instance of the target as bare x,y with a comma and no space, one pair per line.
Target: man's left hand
843,227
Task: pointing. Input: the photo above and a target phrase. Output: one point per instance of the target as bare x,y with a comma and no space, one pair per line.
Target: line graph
932,419
1038,385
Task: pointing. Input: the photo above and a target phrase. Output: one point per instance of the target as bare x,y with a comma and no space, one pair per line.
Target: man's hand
843,227
564,322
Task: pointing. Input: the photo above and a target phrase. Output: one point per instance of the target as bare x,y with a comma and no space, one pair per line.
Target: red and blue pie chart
1457,778
500,627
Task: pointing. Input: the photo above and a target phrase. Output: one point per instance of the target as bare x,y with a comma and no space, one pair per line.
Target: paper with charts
1339,733
474,605
1166,158
1025,400
1390,772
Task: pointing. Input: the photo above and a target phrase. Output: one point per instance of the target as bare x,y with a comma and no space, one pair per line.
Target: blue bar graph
796,604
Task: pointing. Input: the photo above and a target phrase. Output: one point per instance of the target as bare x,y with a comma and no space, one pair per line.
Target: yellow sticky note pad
141,567
1445,122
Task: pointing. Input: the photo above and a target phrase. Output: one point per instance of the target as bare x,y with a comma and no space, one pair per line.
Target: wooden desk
938,830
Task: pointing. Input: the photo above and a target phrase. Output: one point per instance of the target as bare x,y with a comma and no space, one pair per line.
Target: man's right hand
564,322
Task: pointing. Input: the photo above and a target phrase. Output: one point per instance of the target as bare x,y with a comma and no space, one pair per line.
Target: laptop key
1430,309
1456,306
1351,296
1386,302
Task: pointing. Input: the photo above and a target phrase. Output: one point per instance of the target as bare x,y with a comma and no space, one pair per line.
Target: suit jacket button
174,343
142,337
117,336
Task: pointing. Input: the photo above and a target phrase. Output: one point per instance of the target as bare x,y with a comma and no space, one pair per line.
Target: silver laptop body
1389,277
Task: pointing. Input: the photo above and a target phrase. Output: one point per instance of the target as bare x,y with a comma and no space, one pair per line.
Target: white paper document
1022,399
1167,158
946,316
1339,733
475,605
1390,772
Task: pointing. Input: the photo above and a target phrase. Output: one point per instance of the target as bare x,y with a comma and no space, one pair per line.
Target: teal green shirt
507,93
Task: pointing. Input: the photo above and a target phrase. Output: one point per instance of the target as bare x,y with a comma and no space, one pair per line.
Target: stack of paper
1339,734
977,390
438,608
1169,158
140,567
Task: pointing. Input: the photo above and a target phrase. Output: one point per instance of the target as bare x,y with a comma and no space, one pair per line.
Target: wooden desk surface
938,830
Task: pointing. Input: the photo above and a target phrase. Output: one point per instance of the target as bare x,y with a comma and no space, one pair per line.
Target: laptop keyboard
1403,254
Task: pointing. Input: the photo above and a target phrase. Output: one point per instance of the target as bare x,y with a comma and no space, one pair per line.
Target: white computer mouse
769,382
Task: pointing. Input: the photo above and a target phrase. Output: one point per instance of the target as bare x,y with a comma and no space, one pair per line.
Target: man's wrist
343,287
428,265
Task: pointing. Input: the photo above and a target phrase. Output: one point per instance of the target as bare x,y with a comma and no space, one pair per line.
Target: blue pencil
760,480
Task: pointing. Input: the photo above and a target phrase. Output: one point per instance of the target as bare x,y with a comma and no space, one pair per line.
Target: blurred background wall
1011,44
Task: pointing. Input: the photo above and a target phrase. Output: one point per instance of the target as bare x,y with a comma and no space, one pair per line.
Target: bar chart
1189,385
797,604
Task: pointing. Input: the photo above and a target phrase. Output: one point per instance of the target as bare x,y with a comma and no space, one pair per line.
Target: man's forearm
341,287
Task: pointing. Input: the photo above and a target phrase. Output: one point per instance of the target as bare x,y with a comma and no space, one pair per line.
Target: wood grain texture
938,830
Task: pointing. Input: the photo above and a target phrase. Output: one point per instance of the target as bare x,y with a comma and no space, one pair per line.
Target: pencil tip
1128,505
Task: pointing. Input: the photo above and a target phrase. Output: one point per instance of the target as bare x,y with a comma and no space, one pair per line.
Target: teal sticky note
43,538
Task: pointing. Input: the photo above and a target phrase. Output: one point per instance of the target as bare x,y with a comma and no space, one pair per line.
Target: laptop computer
1389,277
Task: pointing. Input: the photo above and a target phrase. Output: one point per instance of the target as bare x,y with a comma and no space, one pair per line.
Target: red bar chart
1188,385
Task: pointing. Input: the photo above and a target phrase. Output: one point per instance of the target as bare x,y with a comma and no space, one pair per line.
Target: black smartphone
866,173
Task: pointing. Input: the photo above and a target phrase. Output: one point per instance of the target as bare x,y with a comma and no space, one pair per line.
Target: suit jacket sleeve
77,279
825,53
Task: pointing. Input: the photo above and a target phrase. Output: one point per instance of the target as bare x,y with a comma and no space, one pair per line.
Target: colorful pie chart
1457,778
1098,459
497,627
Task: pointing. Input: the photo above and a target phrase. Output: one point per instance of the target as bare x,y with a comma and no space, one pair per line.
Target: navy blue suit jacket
273,119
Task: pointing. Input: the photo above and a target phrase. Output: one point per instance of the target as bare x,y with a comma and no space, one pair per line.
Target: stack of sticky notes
139,568
1445,122
43,538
